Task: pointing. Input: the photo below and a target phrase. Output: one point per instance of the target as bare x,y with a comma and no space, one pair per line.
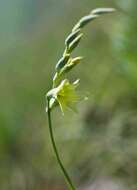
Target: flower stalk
70,184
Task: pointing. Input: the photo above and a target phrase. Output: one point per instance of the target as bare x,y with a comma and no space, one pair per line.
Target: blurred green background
99,144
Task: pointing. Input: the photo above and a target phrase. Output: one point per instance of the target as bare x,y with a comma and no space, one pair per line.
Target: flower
65,95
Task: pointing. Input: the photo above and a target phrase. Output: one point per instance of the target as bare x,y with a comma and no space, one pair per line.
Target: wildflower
65,95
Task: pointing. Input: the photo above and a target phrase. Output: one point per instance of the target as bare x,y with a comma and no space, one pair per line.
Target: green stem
56,151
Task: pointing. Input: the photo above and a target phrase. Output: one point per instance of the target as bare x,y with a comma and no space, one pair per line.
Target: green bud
100,11
71,37
83,21
72,63
86,19
76,27
75,61
74,43
62,62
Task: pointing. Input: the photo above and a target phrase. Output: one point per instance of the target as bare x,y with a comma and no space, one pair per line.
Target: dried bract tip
100,11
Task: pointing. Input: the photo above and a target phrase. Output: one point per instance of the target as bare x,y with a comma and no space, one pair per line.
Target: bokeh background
99,144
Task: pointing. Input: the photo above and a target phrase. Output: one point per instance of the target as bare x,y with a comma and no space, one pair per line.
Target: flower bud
100,11
74,43
72,63
76,60
62,62
71,37
86,19
83,21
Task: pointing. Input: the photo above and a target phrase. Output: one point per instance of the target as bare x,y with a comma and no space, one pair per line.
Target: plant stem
56,151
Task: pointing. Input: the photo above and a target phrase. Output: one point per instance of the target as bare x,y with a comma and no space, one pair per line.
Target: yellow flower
65,95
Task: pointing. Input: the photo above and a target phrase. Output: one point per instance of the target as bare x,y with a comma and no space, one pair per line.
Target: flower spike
63,92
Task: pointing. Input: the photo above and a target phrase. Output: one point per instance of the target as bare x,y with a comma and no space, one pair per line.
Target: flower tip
79,58
100,11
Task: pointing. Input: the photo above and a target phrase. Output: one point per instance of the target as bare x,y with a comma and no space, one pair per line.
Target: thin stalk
70,184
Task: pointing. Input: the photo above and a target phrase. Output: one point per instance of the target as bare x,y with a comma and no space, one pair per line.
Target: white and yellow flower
65,95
